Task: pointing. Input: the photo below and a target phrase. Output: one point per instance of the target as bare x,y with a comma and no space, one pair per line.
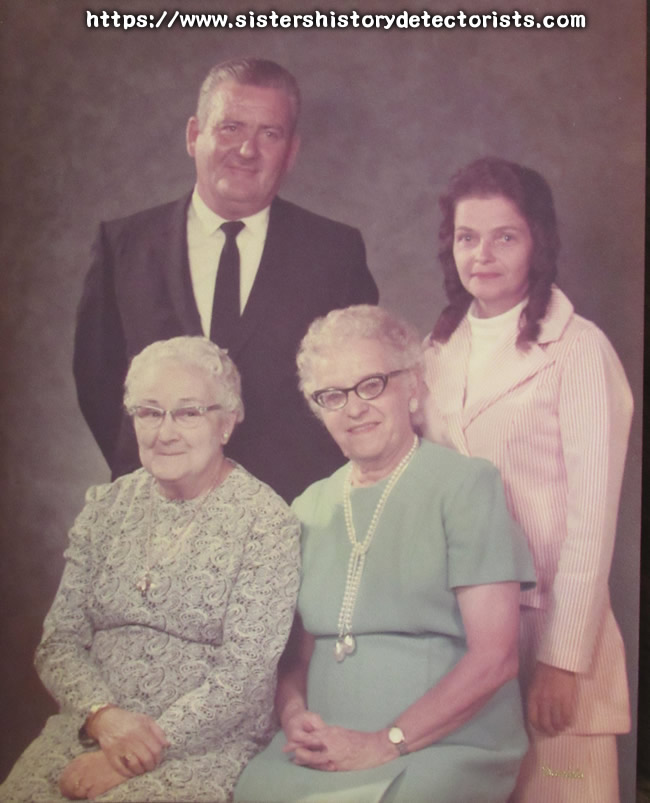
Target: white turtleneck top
489,336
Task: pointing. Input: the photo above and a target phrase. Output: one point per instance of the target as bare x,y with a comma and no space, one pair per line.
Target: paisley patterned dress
198,653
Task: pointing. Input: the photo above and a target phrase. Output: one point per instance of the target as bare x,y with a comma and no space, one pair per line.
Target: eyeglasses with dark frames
188,416
368,388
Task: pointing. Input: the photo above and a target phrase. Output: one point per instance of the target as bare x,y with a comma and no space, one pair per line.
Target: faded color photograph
454,460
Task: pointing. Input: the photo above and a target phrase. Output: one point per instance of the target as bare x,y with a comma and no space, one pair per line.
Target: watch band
85,738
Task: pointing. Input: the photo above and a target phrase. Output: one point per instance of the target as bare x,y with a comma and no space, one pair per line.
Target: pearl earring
225,437
413,405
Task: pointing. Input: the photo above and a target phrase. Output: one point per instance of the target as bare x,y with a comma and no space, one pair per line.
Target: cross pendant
144,584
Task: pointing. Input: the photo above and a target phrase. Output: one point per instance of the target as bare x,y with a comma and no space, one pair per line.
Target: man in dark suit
153,277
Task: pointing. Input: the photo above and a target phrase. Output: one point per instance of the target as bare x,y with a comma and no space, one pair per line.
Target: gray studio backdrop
92,127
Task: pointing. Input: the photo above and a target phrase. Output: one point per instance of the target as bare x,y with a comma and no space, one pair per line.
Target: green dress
445,525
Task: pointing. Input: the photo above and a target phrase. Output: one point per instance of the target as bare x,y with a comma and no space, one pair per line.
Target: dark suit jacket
138,290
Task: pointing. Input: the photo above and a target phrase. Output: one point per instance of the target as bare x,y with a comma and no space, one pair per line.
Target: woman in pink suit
515,376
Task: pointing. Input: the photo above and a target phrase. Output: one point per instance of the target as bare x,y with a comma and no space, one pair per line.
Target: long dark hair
532,196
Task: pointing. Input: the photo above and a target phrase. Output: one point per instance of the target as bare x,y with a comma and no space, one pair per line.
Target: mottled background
92,127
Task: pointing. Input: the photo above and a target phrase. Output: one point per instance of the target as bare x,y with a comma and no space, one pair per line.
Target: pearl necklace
346,643
179,534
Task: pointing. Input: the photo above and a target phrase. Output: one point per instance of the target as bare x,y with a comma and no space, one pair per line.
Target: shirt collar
257,224
501,321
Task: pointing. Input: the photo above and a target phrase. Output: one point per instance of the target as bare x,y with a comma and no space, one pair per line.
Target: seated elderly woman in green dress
400,683
176,601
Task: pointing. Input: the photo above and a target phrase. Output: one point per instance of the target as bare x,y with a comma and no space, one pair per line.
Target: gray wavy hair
195,351
248,72
334,331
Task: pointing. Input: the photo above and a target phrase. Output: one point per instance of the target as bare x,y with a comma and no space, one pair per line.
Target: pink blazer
555,421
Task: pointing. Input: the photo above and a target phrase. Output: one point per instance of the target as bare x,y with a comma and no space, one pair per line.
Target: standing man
231,261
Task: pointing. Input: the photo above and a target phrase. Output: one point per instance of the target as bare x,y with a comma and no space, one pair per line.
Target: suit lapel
450,393
167,254
511,368
272,281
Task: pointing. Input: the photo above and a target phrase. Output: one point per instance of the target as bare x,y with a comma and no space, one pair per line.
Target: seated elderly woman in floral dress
175,604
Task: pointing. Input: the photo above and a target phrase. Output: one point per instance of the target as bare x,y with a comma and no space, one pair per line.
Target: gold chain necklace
180,535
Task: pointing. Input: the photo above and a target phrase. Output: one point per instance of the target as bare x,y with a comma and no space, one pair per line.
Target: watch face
395,735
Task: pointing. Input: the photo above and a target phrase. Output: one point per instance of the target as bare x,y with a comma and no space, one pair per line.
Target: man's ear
191,133
293,151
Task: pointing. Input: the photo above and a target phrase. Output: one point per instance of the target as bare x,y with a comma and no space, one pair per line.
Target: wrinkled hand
551,699
302,731
341,749
133,743
88,776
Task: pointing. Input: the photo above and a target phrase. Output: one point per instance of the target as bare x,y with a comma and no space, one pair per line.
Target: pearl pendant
344,646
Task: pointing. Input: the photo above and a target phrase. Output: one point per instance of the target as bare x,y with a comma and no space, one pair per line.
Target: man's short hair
251,72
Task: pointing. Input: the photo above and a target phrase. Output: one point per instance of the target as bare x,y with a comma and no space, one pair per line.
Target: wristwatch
85,738
396,737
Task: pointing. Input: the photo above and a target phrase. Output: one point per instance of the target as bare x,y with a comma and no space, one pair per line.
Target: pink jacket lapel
512,367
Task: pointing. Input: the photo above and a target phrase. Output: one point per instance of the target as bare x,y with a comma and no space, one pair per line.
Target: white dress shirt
205,241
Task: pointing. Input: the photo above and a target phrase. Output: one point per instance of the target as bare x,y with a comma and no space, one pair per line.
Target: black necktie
225,306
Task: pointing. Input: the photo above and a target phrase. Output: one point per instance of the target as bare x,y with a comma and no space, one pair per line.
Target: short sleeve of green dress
444,525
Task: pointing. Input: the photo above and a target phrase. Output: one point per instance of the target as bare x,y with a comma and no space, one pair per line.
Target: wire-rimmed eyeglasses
188,416
370,387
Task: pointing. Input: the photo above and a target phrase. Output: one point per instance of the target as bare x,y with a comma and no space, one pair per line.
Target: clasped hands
328,747
130,744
